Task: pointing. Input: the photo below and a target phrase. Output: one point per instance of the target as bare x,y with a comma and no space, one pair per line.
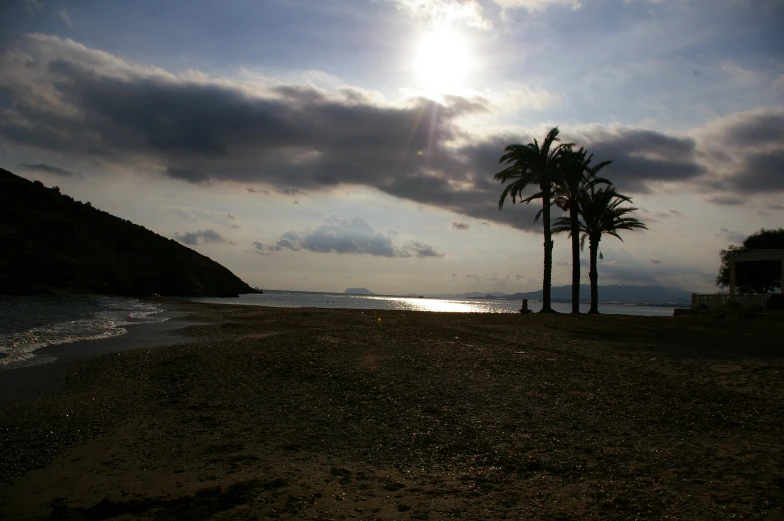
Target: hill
52,243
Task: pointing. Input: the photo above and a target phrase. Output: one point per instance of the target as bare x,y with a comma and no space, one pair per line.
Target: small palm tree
574,178
601,213
533,164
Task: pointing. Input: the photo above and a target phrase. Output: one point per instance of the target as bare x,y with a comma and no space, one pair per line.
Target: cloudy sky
319,145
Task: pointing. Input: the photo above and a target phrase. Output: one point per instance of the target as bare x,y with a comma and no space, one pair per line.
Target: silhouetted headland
54,244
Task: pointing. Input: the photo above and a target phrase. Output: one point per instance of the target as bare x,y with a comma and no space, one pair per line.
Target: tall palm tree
601,213
575,176
533,164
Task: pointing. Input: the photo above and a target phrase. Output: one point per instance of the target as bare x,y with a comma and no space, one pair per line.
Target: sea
28,323
309,299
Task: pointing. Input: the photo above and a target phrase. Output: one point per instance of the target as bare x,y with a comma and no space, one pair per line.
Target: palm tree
601,213
574,177
533,164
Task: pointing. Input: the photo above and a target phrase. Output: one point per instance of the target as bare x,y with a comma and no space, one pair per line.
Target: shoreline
332,414
37,376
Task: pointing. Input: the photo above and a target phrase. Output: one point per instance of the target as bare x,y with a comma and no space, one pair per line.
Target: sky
320,145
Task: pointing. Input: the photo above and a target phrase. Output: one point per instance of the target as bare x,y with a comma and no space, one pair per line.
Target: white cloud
537,5
445,12
348,235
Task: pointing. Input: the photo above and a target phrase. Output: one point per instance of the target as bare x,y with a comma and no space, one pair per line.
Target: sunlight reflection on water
448,306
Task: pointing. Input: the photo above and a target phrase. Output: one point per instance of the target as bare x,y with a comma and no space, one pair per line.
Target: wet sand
335,414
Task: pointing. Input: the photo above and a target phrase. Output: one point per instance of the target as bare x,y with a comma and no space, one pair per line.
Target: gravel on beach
349,414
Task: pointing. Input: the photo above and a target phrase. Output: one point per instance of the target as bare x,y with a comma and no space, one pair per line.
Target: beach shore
343,414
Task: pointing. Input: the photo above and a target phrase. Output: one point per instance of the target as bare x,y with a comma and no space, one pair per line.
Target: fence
712,300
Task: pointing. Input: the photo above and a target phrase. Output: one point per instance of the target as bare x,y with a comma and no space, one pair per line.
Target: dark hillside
52,243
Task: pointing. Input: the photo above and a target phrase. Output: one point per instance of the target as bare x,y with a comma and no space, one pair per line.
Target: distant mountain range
53,244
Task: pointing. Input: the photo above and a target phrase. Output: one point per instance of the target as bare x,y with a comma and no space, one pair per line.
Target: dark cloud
460,226
775,207
763,172
187,174
352,236
725,199
103,154
264,249
641,158
749,151
47,169
752,129
200,237
656,261
291,191
258,191
297,138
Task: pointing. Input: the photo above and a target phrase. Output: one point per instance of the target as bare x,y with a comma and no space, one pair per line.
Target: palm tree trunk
548,251
575,258
594,273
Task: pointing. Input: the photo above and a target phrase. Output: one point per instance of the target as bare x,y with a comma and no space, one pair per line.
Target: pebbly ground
343,414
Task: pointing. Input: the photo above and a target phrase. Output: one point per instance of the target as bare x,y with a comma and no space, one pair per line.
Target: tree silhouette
575,176
533,164
601,213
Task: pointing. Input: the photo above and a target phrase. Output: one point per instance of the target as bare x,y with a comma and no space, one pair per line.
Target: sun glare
443,61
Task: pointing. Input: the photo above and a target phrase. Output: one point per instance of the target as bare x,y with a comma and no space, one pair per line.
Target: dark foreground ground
335,414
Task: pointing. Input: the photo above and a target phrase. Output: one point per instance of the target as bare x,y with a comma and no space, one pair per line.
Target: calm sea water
307,299
30,323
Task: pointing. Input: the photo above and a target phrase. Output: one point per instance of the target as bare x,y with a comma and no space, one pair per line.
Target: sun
442,62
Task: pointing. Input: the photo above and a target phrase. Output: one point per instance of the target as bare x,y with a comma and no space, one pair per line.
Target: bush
776,302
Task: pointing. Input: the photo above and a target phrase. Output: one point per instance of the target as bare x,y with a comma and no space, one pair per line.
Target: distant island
358,291
53,244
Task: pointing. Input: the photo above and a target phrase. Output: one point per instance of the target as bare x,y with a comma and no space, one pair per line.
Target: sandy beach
348,414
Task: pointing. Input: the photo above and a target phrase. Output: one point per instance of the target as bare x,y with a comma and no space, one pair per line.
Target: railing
713,300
